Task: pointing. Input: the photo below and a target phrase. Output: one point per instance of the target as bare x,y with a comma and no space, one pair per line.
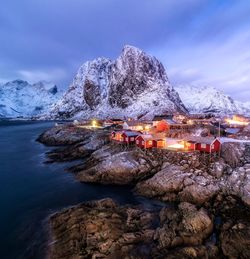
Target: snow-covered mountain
133,85
21,99
207,99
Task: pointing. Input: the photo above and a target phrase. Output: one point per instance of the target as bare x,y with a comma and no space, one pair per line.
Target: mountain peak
130,48
132,85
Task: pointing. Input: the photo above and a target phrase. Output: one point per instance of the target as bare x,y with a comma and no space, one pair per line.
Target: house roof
169,121
117,120
146,136
232,130
162,117
202,140
131,133
135,123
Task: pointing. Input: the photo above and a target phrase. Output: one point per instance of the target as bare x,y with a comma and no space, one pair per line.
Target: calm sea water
30,190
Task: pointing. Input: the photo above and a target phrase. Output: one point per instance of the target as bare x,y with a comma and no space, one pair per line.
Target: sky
200,42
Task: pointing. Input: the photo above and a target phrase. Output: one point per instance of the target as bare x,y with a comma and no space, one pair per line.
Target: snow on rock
206,99
21,99
134,85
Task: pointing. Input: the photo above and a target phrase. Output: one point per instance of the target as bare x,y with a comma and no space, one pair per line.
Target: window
150,142
137,141
203,145
212,147
132,138
126,138
143,142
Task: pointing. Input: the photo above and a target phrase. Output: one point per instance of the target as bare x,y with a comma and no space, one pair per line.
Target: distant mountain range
20,99
133,85
207,99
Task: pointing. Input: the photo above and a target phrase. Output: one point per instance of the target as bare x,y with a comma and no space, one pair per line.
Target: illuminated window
137,141
150,142
212,147
203,145
132,138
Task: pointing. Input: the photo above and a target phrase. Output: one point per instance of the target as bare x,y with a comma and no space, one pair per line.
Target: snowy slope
21,99
135,85
208,99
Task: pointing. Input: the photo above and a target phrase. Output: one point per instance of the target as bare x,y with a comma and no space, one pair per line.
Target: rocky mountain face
21,99
208,99
134,85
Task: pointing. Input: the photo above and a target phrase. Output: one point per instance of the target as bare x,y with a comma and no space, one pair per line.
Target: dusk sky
200,42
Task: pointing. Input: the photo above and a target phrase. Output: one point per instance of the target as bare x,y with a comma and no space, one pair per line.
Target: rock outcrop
102,229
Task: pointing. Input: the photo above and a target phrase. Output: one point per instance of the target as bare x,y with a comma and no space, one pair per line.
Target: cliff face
134,85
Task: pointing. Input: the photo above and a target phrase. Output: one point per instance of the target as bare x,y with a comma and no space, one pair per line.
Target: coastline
201,187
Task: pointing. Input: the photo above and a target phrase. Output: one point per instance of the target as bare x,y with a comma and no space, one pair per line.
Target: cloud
36,75
202,41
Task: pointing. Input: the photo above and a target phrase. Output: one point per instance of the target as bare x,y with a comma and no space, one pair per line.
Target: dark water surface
31,190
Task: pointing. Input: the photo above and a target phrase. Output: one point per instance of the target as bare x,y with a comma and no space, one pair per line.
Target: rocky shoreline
211,197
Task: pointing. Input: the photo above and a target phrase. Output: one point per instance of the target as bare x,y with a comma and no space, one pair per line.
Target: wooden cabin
159,118
159,143
137,125
117,121
148,141
145,141
117,136
206,144
128,137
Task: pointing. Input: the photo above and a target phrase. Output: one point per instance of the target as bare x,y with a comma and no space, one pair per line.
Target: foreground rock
102,229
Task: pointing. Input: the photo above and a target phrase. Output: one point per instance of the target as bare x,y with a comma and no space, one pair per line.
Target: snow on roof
169,121
147,136
232,130
202,140
162,117
131,133
135,123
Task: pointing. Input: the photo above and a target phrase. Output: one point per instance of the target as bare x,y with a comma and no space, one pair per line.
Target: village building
204,144
159,118
125,137
129,137
137,125
148,141
108,123
117,121
144,141
237,121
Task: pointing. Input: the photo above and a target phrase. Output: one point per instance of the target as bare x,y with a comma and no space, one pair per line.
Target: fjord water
30,190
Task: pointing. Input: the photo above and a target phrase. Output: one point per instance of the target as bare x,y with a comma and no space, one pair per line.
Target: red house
128,137
206,144
145,141
117,136
148,141
159,143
